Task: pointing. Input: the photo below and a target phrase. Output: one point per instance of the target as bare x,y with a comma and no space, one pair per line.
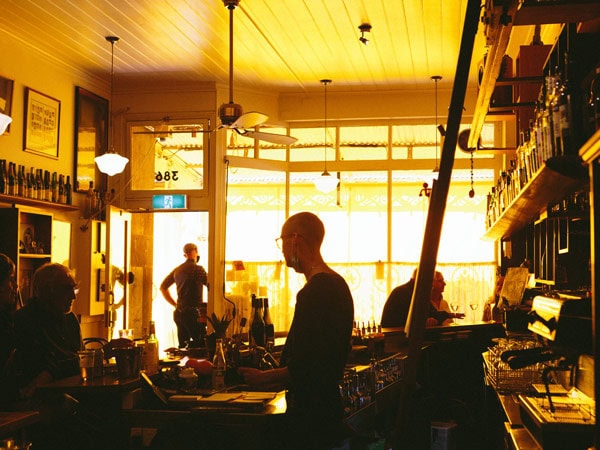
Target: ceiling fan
231,114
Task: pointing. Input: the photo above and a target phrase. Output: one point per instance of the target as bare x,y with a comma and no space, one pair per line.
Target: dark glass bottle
47,187
54,187
21,181
269,327
257,329
61,189
68,191
3,176
12,179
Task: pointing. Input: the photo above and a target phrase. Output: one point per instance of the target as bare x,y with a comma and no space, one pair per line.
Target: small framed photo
42,120
6,95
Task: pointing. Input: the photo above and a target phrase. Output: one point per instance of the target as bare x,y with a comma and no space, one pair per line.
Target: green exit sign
174,201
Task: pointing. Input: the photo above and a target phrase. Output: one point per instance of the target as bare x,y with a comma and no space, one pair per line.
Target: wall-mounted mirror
91,139
169,155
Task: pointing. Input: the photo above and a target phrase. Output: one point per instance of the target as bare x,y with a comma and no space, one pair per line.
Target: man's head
190,251
301,237
54,284
438,284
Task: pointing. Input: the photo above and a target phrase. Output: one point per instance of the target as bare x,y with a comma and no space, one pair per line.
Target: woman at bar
313,360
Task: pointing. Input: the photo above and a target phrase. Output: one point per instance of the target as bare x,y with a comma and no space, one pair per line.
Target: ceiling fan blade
282,139
249,120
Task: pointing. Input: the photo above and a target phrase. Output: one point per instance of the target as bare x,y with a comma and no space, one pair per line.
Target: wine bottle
12,179
68,191
54,187
219,367
61,189
151,350
2,176
21,181
47,186
258,324
269,327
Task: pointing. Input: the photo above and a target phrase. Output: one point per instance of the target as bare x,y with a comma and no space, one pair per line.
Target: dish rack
505,380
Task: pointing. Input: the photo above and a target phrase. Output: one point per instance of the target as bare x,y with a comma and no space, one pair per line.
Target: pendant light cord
112,40
436,78
325,83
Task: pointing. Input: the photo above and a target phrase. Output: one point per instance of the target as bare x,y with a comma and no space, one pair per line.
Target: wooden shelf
557,178
16,200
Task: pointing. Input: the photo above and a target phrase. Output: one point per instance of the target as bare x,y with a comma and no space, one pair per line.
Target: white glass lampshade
326,182
4,122
111,163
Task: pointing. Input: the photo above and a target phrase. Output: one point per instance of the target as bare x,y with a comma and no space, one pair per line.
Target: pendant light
111,163
4,122
436,78
326,182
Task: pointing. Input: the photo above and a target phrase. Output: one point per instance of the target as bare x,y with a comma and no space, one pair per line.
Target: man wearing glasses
47,332
313,360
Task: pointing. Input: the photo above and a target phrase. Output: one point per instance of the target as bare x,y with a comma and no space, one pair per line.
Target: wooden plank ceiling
279,45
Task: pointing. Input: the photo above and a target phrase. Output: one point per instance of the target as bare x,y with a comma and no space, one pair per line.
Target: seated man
397,306
47,332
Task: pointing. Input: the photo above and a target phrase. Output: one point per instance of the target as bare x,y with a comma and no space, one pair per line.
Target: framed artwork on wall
42,124
6,94
91,138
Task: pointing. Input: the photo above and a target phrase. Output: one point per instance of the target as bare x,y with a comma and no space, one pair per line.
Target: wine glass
454,308
474,307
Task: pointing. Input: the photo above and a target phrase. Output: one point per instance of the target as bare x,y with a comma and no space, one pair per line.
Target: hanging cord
472,191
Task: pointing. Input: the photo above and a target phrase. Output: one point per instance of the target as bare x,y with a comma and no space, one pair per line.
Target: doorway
172,230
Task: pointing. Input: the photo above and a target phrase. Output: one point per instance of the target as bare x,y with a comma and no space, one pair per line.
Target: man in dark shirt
47,332
189,279
316,350
395,310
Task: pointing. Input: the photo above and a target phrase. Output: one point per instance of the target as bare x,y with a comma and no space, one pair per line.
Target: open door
118,275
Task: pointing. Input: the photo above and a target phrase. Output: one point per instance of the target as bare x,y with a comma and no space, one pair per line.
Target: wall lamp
364,28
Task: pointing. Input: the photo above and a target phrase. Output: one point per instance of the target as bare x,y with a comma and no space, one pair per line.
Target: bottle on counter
219,367
269,327
151,350
47,186
61,189
21,181
257,329
54,187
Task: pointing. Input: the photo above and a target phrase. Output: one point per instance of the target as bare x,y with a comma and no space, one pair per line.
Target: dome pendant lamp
326,182
111,163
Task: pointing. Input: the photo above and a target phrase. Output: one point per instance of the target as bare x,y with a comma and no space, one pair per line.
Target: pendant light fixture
4,122
326,182
111,163
436,78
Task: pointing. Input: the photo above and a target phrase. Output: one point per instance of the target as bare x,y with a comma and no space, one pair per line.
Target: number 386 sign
167,175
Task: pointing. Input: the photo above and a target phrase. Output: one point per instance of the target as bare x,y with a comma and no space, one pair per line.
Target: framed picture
6,94
91,138
42,120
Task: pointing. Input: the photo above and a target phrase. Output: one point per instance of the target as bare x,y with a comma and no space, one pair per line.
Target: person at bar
47,332
189,278
397,306
316,350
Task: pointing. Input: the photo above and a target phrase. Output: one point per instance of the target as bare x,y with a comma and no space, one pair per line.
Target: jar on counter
189,378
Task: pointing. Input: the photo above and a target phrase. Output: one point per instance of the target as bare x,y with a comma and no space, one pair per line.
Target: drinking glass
86,364
454,308
474,307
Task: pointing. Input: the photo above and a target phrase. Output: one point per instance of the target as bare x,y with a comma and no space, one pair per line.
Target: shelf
557,178
15,200
499,21
34,255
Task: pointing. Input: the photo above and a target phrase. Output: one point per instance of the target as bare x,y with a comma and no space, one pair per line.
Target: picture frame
42,124
6,95
91,138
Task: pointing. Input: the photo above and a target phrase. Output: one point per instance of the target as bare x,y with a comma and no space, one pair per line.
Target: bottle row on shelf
36,184
567,113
